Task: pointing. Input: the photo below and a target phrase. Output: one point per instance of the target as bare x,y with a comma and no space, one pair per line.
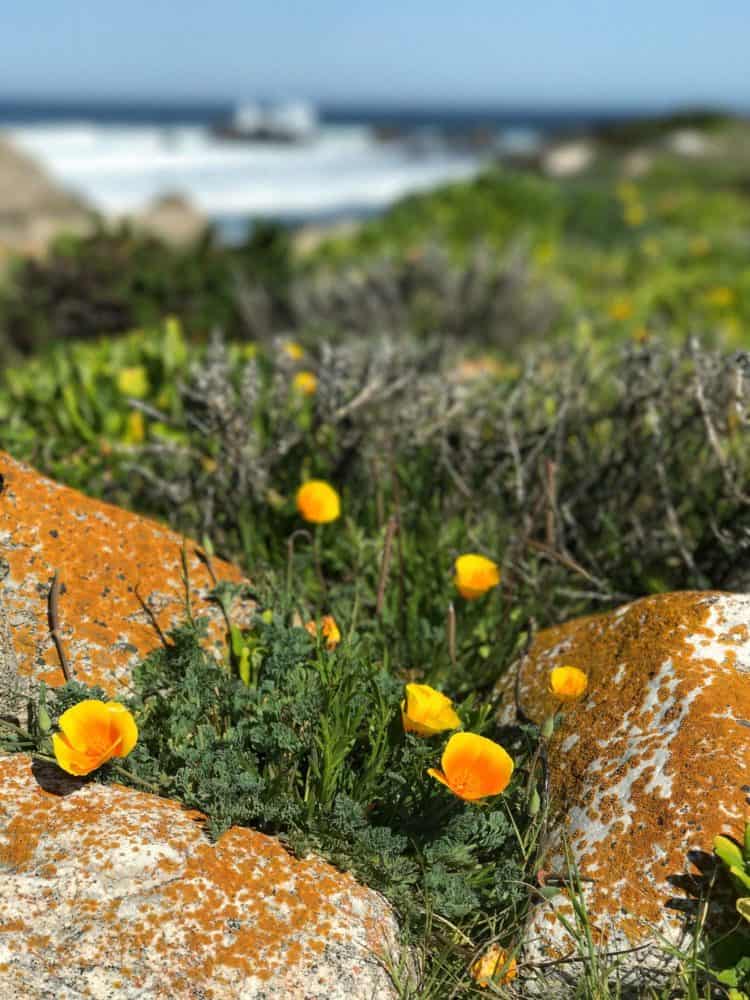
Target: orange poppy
426,711
474,767
93,732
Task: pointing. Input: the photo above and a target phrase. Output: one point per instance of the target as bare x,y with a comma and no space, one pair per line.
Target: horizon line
390,103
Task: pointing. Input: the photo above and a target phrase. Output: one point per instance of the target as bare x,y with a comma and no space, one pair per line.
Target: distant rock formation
172,218
33,208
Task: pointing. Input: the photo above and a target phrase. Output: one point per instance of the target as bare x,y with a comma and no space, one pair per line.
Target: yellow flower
318,502
634,214
721,297
93,732
133,381
626,191
495,966
426,711
306,383
474,767
293,350
475,575
135,428
329,628
567,683
700,246
620,309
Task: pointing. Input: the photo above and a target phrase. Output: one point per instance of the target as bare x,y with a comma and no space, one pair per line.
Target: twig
399,545
151,411
711,434
673,520
452,633
299,533
186,582
552,519
563,560
206,559
385,563
152,618
530,636
54,595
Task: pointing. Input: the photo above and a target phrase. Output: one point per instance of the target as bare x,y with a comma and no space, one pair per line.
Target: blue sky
648,52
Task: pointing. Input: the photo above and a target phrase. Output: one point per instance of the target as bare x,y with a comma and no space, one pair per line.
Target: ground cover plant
113,281
568,400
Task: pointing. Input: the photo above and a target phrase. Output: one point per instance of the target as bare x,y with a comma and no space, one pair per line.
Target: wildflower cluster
294,733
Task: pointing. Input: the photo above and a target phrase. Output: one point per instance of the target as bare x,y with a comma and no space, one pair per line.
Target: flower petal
439,775
427,712
86,723
568,683
124,727
75,761
318,502
475,766
475,575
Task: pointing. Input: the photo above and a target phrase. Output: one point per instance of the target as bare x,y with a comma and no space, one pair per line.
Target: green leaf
729,852
741,876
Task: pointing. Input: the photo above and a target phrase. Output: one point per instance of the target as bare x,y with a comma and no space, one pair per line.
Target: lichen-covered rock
645,770
114,894
110,563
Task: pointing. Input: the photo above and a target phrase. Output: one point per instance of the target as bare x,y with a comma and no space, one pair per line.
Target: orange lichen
107,559
242,907
646,746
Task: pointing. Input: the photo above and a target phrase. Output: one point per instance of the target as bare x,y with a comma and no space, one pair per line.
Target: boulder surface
644,771
113,894
33,207
113,566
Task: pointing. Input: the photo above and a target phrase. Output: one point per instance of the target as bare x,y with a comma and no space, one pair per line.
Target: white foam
120,169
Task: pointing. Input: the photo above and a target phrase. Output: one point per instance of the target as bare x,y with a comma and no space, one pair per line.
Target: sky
654,53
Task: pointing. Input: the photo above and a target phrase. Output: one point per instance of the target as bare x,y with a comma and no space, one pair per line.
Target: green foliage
313,750
113,281
730,953
645,445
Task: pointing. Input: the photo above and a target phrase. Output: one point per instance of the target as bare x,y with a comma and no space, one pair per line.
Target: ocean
121,156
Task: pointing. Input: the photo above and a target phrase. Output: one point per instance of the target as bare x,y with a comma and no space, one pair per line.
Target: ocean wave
120,169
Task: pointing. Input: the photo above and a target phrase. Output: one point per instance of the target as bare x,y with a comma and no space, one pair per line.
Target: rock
690,142
568,159
111,893
309,237
646,770
109,561
637,163
172,218
33,208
